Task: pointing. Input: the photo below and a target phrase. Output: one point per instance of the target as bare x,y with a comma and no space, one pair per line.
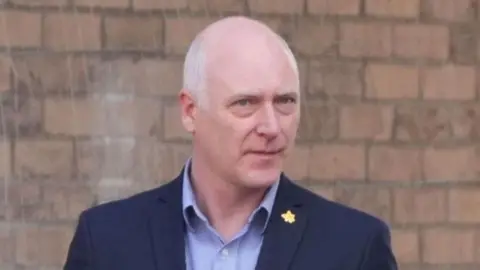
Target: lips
266,152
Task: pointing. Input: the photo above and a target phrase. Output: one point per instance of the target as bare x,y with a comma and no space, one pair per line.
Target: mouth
267,153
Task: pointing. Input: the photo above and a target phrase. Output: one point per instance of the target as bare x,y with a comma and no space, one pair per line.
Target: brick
325,192
463,205
391,81
7,244
280,7
454,164
5,158
39,3
333,7
5,73
40,73
20,29
296,163
66,203
464,43
173,128
103,3
72,32
393,8
145,76
42,245
366,121
388,163
450,82
406,245
313,37
335,79
26,204
180,32
437,123
421,41
448,246
112,114
450,10
44,158
159,4
318,121
420,205
21,115
216,5
375,201
365,39
337,162
123,33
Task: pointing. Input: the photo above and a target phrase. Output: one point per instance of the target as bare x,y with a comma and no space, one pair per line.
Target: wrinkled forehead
254,65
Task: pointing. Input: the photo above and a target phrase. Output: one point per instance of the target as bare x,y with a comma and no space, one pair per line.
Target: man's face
250,118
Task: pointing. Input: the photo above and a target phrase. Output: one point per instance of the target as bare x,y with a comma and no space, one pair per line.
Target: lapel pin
288,217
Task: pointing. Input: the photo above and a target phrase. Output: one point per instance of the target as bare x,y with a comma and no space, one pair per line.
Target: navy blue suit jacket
146,232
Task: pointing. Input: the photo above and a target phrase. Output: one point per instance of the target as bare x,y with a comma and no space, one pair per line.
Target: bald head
233,43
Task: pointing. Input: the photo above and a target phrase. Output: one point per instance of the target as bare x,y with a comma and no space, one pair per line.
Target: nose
269,125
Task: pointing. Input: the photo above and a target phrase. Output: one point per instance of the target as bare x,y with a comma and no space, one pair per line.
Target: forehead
253,71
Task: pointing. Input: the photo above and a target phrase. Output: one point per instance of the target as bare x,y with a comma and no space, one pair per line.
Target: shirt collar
190,207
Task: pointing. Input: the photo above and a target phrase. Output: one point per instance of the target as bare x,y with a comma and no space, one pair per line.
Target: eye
286,100
244,102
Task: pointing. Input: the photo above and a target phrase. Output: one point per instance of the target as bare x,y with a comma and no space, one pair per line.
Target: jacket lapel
284,232
167,227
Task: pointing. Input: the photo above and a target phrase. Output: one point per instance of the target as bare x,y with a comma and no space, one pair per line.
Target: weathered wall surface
390,124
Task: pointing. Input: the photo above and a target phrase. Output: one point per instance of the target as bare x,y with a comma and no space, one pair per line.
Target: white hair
195,61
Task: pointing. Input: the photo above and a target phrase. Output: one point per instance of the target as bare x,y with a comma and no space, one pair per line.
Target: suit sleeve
379,254
79,256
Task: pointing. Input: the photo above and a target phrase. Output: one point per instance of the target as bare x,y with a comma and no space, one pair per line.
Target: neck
226,206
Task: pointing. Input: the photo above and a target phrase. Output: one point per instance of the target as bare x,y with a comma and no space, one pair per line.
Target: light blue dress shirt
204,247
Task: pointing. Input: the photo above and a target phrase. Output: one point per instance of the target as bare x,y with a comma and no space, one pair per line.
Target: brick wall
391,116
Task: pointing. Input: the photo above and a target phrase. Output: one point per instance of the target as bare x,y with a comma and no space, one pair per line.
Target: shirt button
225,252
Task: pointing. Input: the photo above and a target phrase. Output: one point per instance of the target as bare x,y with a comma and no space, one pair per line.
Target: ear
188,110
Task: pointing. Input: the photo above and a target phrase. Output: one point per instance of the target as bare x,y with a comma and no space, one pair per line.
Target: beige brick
280,6
180,32
335,79
42,245
5,73
111,114
325,192
53,72
337,162
365,39
216,5
448,246
313,37
420,205
428,123
159,4
318,121
173,127
450,82
463,43
123,33
44,158
453,164
39,3
146,76
450,10
5,158
366,121
7,244
296,164
20,29
394,164
406,245
463,205
391,81
102,3
333,7
373,200
393,8
421,41
66,203
72,32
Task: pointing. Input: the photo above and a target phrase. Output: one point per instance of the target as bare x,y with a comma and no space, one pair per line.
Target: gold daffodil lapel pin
288,217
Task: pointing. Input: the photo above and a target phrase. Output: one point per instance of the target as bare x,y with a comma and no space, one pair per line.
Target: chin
261,178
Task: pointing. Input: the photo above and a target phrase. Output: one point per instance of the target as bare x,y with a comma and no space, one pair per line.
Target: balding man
231,207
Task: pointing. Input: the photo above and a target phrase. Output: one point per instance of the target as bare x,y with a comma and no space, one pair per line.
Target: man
231,207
